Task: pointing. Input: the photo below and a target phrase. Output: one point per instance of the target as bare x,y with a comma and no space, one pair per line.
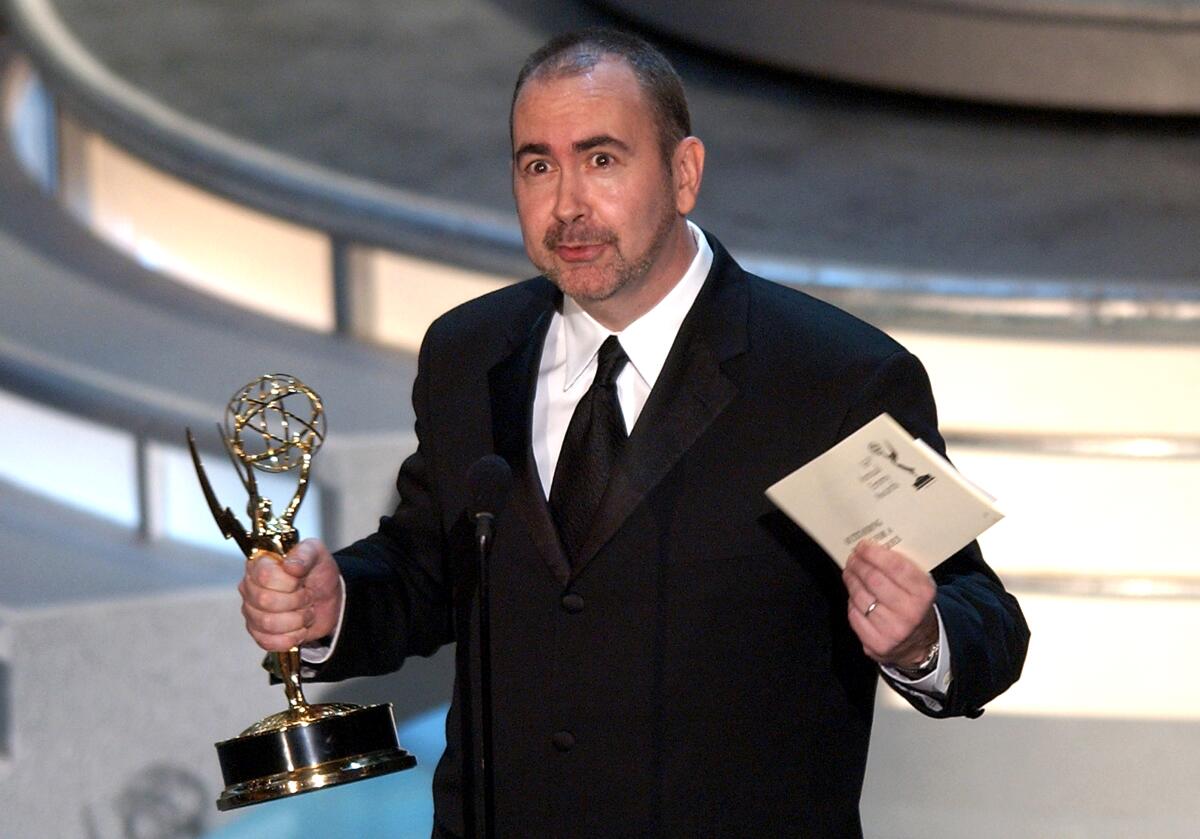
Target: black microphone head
488,480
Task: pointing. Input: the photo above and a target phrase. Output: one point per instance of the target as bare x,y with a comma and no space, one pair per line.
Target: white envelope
881,484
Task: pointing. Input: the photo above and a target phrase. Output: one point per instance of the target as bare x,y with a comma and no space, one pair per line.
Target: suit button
564,741
573,603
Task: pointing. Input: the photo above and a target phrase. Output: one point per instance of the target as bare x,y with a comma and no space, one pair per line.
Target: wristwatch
924,667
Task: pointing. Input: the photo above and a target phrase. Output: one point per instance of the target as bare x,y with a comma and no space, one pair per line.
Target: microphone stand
462,666
483,533
489,480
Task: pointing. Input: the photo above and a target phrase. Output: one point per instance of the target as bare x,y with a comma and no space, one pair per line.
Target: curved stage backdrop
1138,56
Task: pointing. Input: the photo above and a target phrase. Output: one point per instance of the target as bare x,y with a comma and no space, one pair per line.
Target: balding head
577,53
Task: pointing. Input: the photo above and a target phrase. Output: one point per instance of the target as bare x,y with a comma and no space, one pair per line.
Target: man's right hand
291,602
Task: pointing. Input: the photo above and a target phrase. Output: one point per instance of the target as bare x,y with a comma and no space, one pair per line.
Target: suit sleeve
398,581
986,632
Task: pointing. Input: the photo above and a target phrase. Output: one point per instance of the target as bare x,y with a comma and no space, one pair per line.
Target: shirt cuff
931,686
318,651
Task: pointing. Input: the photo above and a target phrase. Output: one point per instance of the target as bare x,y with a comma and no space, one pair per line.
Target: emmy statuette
276,424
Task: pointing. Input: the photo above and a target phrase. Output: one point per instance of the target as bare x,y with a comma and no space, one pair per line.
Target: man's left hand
890,605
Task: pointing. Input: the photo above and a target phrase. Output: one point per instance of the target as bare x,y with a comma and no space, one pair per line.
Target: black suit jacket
696,675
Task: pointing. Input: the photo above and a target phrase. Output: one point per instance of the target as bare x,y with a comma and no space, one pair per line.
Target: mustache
570,235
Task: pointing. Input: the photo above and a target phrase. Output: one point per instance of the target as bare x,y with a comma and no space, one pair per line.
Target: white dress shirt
568,363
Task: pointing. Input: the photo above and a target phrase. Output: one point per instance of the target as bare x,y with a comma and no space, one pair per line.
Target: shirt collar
647,340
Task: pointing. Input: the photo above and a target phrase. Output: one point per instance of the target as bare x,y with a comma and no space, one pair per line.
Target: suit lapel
690,393
512,384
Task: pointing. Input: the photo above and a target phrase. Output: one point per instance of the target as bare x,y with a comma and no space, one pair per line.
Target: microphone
488,481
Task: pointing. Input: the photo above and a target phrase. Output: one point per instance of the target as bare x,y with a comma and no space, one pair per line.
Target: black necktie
594,439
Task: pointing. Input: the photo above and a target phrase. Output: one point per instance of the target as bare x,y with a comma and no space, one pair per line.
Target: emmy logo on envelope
882,457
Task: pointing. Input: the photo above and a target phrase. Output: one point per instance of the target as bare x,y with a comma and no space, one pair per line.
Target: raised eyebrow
597,141
531,148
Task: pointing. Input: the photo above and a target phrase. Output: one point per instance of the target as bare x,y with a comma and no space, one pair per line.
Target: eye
537,167
602,160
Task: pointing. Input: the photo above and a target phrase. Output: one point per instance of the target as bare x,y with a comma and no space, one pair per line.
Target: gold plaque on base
276,424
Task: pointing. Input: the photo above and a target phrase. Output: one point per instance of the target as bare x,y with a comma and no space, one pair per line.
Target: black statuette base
337,749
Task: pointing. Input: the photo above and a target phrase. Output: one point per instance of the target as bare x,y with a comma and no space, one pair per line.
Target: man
672,657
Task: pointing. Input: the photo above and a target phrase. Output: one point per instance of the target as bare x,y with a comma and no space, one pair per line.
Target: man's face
595,199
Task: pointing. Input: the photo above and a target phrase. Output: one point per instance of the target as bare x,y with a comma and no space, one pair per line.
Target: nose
570,201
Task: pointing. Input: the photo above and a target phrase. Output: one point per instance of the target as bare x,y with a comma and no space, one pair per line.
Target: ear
687,165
